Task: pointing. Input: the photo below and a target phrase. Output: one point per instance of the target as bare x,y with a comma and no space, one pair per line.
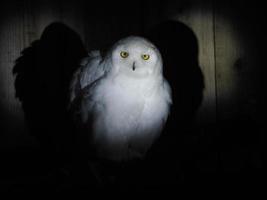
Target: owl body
125,99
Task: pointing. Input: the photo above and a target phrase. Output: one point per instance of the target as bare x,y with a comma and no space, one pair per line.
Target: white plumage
124,98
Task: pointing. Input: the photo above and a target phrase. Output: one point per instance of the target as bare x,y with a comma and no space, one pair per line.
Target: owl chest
125,106
127,110
127,120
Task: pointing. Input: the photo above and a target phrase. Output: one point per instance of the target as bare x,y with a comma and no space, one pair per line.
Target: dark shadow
43,73
179,49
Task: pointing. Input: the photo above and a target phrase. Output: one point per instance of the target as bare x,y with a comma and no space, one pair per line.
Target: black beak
133,66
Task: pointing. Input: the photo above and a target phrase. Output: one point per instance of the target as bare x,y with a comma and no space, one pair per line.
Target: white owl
122,98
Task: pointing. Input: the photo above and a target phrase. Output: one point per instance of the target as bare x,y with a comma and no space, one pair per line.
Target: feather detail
126,109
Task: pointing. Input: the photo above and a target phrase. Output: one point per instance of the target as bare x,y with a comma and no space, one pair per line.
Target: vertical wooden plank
195,27
72,14
229,52
199,17
41,14
105,25
29,31
237,40
21,23
11,43
153,15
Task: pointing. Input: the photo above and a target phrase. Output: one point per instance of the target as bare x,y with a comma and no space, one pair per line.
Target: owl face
136,57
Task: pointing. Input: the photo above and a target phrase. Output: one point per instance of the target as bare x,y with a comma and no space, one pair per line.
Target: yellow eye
124,54
145,56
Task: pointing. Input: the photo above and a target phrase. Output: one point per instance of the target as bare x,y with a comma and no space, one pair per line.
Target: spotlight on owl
122,99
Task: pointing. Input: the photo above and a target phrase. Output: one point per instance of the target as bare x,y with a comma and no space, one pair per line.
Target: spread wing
91,70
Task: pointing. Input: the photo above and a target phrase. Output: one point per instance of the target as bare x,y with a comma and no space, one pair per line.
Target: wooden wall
229,71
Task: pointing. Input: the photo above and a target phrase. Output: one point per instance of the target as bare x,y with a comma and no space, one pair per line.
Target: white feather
129,108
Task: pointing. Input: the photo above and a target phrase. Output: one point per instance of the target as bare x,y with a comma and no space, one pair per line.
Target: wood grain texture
229,52
73,16
229,89
11,43
200,19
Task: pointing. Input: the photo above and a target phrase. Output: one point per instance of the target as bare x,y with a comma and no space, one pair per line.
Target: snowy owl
122,98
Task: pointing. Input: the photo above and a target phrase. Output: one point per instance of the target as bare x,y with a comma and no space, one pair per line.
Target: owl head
135,57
